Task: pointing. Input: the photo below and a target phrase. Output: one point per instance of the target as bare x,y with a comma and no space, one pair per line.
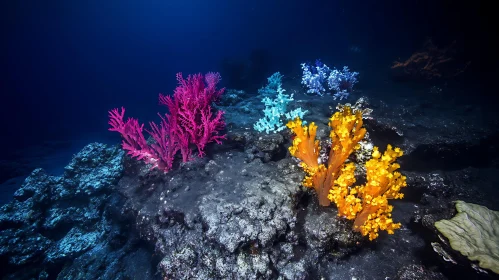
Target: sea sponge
474,232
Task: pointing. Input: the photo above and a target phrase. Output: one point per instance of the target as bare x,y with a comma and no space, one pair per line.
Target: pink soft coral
191,116
159,155
191,120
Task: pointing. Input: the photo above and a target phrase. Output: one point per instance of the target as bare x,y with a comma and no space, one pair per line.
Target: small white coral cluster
340,82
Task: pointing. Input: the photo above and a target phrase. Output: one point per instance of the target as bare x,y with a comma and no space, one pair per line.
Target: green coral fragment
474,232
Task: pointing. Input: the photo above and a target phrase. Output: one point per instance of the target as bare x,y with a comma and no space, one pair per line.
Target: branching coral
431,63
316,76
191,121
346,132
368,203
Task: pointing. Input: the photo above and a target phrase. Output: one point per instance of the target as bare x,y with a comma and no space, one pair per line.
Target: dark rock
56,227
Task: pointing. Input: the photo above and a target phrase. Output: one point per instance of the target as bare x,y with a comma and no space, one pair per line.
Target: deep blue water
65,64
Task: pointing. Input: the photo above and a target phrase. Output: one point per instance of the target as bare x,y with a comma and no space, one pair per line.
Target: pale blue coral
314,81
296,113
275,110
340,82
341,95
273,83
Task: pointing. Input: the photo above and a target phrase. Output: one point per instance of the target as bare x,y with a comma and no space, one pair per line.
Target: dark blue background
66,63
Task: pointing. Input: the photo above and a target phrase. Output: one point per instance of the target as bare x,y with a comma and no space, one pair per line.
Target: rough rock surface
70,227
241,212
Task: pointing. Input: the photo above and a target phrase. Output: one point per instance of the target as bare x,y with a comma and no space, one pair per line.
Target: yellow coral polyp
366,204
383,183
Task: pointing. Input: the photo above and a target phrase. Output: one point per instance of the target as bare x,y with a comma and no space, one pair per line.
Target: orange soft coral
346,132
368,203
383,183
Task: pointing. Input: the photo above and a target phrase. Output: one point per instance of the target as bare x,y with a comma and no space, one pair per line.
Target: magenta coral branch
166,146
133,138
190,121
191,110
209,131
